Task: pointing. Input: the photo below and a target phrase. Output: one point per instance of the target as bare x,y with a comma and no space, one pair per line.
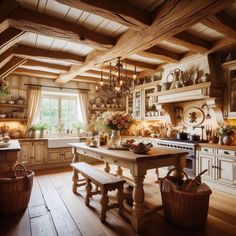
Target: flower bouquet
117,121
224,133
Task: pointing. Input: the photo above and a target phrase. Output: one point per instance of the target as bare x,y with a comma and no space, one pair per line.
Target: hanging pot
182,136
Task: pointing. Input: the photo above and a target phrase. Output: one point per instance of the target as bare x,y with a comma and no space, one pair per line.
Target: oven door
190,168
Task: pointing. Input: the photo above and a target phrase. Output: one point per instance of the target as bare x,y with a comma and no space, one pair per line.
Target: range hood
189,93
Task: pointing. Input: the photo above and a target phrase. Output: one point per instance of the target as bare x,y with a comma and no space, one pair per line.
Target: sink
61,142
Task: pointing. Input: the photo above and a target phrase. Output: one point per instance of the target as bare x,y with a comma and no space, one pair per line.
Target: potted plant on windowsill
79,126
33,130
41,128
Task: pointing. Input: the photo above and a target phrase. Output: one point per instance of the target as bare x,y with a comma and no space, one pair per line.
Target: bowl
3,101
3,115
11,102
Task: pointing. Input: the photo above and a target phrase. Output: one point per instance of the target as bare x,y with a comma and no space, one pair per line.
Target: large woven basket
15,190
185,209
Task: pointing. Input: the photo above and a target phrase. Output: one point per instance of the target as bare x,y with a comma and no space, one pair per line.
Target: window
59,113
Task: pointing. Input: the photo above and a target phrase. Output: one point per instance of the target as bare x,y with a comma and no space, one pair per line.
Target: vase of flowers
224,133
117,121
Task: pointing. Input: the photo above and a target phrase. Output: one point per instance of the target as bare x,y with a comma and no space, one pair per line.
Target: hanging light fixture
118,84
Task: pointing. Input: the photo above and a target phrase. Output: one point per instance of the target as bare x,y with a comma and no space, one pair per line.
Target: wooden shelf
13,119
107,109
12,105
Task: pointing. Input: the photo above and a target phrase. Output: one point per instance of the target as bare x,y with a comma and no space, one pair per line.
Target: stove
185,145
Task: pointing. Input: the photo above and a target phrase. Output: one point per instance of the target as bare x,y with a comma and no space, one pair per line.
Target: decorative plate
98,101
193,116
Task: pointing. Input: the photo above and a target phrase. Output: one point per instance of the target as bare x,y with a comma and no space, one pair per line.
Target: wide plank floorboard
55,210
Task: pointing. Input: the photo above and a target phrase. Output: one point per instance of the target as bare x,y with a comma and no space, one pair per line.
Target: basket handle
26,177
171,170
23,167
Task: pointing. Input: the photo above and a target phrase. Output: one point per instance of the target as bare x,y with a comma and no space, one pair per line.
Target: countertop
13,146
215,145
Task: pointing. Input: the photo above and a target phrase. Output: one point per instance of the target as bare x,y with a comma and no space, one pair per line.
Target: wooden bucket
15,190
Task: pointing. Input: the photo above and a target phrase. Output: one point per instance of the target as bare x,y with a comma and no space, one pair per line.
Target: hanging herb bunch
4,87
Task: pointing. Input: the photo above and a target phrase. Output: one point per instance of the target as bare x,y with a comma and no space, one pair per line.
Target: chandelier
118,84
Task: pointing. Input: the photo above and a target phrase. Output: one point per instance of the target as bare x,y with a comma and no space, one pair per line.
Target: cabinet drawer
207,150
229,153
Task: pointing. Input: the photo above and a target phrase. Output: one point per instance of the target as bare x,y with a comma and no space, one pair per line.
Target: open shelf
13,119
12,105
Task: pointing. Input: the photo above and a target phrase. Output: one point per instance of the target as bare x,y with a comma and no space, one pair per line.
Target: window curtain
84,105
34,101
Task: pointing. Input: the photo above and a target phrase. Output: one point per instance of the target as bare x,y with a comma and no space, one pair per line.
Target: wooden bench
104,182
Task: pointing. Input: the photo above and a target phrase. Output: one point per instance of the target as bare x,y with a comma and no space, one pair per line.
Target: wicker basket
15,190
185,209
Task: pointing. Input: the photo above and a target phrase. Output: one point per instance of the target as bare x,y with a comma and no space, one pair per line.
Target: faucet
199,127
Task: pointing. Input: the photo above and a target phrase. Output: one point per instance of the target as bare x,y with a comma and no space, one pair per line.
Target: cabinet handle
217,167
213,166
226,152
206,150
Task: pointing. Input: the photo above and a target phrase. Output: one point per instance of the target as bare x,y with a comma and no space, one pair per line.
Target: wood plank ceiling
74,39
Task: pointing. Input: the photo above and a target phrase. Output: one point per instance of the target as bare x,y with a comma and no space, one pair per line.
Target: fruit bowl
127,143
141,148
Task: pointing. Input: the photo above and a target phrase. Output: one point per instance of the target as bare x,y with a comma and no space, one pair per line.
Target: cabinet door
226,168
206,162
67,154
54,155
39,152
26,153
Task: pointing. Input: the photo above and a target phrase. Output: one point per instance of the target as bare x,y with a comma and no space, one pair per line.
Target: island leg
137,219
119,172
75,177
158,175
180,163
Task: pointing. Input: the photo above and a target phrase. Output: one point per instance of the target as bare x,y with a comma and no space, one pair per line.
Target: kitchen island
138,164
8,155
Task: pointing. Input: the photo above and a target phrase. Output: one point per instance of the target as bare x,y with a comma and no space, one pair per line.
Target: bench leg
75,179
88,189
120,199
107,167
104,203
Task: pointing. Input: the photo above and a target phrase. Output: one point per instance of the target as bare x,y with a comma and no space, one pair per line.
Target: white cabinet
225,169
139,104
32,153
206,162
220,165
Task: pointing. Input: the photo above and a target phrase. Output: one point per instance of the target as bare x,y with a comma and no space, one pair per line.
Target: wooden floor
55,210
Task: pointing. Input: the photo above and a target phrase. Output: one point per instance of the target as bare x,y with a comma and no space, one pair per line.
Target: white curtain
84,105
34,101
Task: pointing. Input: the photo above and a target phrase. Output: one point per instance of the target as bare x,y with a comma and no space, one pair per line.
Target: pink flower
122,122
120,126
114,122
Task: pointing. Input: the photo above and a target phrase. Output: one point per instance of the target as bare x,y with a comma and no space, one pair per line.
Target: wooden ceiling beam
35,73
39,23
119,11
222,23
10,37
6,56
86,79
159,53
168,22
6,7
10,66
190,41
39,64
33,53
140,64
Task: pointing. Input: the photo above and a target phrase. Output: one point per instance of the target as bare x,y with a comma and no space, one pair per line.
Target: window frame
59,97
